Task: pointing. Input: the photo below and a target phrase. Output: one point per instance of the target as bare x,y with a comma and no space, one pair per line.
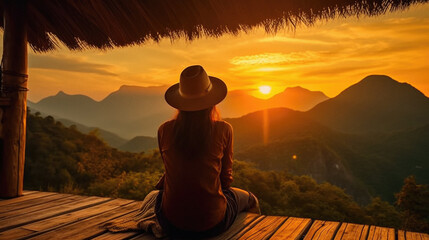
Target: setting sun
265,89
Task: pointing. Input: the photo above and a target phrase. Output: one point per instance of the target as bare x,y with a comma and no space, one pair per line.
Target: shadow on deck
49,215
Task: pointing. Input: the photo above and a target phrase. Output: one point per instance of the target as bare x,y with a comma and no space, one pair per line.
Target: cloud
266,58
277,58
294,40
342,69
70,64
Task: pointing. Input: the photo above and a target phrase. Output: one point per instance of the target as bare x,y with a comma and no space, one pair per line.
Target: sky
329,57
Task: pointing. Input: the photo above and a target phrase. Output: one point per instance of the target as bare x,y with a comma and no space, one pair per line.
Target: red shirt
193,198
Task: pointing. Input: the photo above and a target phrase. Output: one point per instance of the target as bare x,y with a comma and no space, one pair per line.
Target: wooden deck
48,215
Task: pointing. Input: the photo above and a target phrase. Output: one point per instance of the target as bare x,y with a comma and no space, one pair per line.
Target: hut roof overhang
80,24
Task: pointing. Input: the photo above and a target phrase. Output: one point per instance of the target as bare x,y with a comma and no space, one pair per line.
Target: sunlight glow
265,126
259,59
265,89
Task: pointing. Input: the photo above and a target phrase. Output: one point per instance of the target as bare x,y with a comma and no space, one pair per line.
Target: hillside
296,144
63,159
271,125
383,160
372,164
140,144
376,104
110,138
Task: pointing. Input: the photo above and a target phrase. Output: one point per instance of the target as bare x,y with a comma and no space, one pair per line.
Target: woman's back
193,198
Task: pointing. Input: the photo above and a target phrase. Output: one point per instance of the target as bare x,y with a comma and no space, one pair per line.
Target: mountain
135,111
366,140
239,102
376,104
68,106
139,111
373,164
140,144
128,112
110,138
133,103
297,98
295,143
270,125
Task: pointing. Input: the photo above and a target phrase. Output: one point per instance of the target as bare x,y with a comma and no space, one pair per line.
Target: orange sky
328,57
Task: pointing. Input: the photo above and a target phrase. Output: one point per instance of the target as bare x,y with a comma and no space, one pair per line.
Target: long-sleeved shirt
193,198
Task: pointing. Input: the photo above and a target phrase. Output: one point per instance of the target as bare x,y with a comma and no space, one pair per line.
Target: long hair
193,131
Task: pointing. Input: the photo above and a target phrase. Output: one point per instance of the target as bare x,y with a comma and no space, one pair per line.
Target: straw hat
196,90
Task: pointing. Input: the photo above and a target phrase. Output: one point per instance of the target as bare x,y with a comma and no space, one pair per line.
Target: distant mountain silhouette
239,102
131,111
138,111
135,111
140,144
297,98
68,106
376,104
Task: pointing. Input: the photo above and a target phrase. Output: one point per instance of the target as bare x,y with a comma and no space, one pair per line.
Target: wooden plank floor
47,215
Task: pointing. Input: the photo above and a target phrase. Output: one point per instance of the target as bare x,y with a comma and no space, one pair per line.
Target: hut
105,24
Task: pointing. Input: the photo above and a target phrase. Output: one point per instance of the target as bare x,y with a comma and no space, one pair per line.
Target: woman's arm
226,172
160,184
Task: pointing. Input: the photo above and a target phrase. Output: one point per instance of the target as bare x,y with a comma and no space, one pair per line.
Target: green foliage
63,159
283,194
382,213
132,185
413,202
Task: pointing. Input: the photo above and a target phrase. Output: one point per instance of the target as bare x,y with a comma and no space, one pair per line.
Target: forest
62,159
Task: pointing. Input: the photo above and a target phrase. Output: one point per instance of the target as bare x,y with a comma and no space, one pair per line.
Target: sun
265,89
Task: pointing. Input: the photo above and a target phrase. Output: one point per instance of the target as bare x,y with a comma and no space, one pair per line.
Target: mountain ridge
375,104
134,111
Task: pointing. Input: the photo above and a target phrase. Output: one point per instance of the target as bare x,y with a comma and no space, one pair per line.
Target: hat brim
216,94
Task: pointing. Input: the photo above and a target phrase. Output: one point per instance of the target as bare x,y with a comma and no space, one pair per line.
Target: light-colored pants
245,199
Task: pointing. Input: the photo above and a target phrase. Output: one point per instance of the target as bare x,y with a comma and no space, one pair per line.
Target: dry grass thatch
105,24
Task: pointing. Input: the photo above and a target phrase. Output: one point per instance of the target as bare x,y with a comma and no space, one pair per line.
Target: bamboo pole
14,87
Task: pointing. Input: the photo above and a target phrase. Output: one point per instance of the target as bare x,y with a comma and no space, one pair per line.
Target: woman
196,198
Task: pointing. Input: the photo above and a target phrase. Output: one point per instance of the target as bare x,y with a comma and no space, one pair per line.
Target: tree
382,213
413,202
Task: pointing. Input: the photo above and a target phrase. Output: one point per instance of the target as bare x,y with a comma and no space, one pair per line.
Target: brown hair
193,131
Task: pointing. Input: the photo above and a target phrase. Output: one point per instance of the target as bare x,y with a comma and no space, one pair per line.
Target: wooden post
13,88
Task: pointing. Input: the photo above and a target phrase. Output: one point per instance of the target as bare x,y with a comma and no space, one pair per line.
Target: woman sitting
196,199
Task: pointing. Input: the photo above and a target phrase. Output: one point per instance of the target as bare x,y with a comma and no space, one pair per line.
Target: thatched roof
105,24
